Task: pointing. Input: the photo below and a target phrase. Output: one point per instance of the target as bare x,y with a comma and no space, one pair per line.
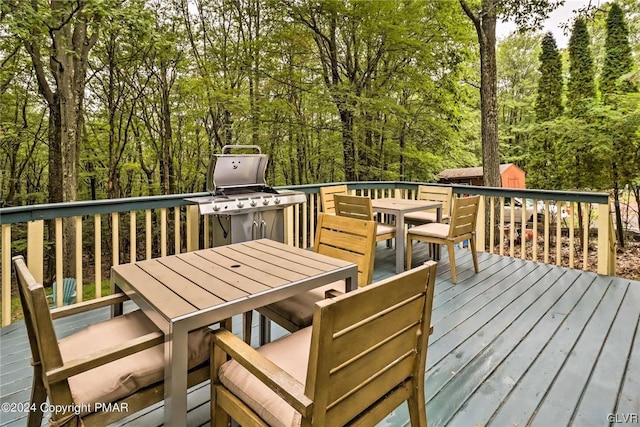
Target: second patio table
399,207
184,292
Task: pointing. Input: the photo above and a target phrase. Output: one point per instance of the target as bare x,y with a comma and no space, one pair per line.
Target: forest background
163,85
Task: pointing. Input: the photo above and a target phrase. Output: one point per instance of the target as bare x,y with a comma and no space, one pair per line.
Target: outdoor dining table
187,291
398,208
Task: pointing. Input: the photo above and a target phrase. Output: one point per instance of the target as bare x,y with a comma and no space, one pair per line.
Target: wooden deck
519,343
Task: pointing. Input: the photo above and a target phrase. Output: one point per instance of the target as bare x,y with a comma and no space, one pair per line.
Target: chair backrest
369,347
353,206
463,217
326,197
68,291
42,335
348,239
437,194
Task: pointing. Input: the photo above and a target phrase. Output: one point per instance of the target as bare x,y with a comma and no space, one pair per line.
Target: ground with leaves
627,258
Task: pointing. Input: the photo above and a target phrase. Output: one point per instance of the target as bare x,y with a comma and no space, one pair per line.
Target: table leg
400,247
434,249
175,376
265,330
116,309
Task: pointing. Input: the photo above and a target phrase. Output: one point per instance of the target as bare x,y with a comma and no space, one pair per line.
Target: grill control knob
216,208
253,203
265,201
239,203
276,201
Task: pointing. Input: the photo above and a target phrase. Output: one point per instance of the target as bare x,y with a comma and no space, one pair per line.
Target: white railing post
481,225
6,274
604,235
35,248
288,226
193,228
78,260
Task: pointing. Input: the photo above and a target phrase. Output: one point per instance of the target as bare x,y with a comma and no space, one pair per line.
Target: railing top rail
20,214
91,207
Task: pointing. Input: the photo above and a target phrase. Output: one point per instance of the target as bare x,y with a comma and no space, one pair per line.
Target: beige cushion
434,229
299,308
384,229
123,377
423,217
290,353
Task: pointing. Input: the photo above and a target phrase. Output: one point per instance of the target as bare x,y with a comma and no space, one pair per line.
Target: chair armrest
102,357
82,307
287,387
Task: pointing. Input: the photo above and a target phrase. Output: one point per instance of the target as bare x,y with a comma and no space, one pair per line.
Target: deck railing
110,232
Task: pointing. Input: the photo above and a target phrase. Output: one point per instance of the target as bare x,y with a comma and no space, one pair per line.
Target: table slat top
181,284
403,205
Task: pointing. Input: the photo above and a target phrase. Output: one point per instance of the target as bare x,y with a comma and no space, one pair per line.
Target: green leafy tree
58,36
484,15
517,84
542,151
617,63
581,85
618,60
550,84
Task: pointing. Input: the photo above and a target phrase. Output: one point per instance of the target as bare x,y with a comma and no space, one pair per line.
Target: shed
512,176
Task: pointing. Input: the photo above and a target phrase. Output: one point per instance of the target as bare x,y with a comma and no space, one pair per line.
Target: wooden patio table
184,292
399,207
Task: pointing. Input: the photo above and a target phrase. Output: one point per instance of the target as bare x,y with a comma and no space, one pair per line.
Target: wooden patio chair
435,194
345,238
363,357
461,227
359,207
68,292
326,197
118,361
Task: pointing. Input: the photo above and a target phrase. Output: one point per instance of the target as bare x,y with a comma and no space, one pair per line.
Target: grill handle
227,148
254,231
263,229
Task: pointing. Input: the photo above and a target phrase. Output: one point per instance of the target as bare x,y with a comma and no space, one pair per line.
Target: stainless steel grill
245,206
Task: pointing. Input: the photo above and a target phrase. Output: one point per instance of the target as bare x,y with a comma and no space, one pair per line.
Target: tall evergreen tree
617,63
618,59
581,84
542,150
549,100
581,89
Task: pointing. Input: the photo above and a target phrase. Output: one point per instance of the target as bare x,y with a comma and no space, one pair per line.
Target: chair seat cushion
290,353
299,308
122,377
382,228
423,217
434,229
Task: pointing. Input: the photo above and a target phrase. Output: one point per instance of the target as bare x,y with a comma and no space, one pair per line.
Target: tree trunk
348,144
616,205
489,100
485,25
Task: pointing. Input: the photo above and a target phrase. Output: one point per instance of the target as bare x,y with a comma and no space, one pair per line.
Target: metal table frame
398,208
157,287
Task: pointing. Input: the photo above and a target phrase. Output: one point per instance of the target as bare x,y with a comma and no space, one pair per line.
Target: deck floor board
517,343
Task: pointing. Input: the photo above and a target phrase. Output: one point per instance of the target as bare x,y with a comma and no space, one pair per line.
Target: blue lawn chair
68,292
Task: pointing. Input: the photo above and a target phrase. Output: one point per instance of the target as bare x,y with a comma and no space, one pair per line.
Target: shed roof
474,172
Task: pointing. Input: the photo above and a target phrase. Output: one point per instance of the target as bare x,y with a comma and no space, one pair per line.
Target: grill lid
236,170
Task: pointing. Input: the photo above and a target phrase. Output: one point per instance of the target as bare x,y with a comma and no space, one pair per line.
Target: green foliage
550,87
618,59
517,77
169,83
581,85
